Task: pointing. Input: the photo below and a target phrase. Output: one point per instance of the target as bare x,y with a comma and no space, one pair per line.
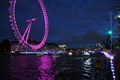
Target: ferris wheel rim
15,27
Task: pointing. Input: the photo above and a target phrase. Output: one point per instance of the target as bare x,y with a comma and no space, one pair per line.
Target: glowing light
111,58
109,32
118,16
16,31
112,69
34,52
33,19
86,53
107,55
70,53
45,68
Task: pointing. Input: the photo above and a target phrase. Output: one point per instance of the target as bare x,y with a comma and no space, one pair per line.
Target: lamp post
116,18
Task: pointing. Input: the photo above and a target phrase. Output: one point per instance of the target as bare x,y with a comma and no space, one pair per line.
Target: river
47,67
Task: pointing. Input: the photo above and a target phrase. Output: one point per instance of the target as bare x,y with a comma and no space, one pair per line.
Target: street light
110,32
118,16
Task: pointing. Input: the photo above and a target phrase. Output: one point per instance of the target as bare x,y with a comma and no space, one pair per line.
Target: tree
5,46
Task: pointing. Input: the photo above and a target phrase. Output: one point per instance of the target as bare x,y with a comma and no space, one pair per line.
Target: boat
70,53
56,55
86,55
40,54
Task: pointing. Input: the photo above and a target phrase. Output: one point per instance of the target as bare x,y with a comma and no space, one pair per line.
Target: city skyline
74,23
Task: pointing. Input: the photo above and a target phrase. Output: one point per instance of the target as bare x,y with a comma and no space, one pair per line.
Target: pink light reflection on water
46,68
46,62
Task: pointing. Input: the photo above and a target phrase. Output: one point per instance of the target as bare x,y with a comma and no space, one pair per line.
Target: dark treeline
5,46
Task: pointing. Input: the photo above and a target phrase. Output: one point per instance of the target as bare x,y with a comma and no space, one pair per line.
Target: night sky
72,22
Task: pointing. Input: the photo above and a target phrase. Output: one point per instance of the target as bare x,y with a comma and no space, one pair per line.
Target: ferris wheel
24,38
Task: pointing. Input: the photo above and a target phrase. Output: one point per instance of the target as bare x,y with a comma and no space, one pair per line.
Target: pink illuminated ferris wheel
24,38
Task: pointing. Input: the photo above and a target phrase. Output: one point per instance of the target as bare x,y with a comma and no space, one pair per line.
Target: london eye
23,38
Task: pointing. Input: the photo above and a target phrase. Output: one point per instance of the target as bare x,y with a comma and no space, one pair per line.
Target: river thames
47,67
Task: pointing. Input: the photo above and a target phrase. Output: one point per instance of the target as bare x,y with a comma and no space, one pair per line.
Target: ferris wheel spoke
27,31
29,28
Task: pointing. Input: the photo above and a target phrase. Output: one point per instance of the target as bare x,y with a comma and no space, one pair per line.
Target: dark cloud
93,35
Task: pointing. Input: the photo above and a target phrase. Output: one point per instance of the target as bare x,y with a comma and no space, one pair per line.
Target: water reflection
75,69
86,67
32,67
23,67
46,68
